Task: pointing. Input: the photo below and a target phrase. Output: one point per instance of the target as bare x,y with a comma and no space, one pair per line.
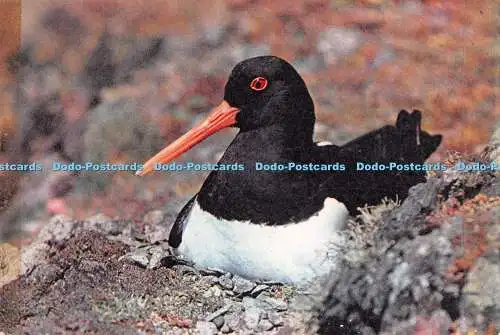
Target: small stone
206,328
225,329
275,318
242,285
217,313
139,257
218,321
232,320
252,318
226,282
249,302
265,325
213,291
157,254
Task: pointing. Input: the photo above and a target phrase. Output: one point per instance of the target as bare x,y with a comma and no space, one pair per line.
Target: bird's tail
400,145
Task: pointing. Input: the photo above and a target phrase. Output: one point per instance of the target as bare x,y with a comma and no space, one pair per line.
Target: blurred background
116,80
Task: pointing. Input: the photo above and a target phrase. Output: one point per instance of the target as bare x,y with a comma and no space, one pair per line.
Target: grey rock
242,285
102,223
225,329
232,320
213,291
218,321
249,302
217,313
226,282
276,304
481,294
252,317
58,229
265,325
275,318
139,257
157,254
206,328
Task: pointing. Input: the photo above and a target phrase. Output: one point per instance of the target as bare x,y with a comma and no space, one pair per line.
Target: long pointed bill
220,117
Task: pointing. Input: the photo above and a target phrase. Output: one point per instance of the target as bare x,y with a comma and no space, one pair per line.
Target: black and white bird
280,225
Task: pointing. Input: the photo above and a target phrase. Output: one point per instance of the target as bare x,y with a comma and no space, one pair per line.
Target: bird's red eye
258,84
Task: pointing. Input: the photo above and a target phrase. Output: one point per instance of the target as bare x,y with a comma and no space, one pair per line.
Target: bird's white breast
293,253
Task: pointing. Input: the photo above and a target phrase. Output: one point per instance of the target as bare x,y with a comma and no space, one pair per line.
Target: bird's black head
263,93
268,90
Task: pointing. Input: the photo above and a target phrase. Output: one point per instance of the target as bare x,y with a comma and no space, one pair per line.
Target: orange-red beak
220,117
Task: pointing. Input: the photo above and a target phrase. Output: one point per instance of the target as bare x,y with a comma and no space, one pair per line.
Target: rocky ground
429,265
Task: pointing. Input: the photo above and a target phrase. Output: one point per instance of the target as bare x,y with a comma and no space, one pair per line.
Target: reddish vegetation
472,241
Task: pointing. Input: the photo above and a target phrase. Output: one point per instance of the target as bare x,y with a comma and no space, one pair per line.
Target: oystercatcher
280,225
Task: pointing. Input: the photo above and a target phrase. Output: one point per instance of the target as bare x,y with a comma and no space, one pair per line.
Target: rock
276,304
252,317
258,289
242,285
265,325
218,321
217,313
249,302
213,291
275,318
225,329
102,223
157,254
481,293
58,229
139,257
205,328
232,320
226,282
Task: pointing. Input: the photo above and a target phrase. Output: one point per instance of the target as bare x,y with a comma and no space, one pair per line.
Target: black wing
175,237
403,143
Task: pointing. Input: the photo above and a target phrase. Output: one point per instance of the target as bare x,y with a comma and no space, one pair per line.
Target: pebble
265,325
226,282
205,328
275,319
219,321
252,317
232,320
219,312
225,329
213,291
157,254
139,257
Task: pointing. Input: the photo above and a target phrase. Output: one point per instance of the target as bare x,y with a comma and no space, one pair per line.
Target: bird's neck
274,137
